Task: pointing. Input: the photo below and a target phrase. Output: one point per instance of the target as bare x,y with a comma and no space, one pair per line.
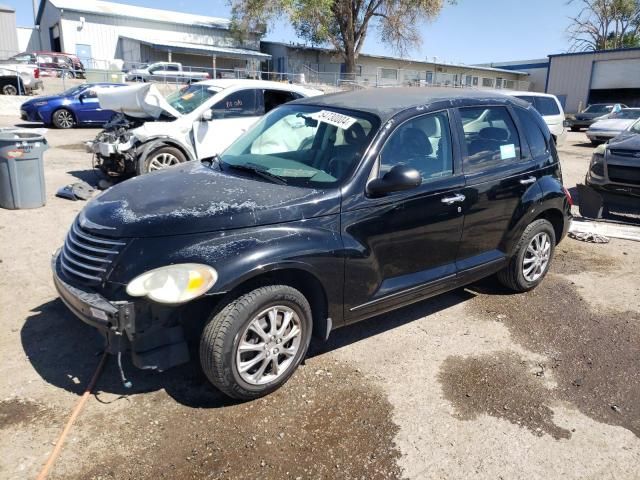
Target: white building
537,70
99,32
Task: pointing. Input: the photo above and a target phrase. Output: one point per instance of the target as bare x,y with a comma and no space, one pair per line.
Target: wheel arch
295,276
154,143
556,219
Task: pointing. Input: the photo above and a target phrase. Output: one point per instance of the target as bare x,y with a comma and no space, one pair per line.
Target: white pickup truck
19,79
166,71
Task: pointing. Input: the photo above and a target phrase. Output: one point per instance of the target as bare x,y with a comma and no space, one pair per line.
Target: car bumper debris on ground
474,383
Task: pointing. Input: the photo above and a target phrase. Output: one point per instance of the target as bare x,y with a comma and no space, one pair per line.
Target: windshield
304,145
626,114
599,109
187,99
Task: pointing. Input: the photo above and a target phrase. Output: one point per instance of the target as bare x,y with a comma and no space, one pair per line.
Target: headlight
173,283
597,164
40,104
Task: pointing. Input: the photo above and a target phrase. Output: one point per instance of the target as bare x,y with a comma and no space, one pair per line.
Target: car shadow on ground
65,352
92,176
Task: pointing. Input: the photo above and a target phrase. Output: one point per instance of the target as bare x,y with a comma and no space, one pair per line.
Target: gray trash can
21,169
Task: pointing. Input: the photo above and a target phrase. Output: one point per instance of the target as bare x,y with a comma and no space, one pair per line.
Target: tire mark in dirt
328,421
594,356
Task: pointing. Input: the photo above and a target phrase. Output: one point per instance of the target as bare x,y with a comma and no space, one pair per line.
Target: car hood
612,124
626,141
588,116
196,198
138,101
43,99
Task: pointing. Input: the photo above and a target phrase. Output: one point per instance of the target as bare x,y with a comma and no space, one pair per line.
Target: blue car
73,107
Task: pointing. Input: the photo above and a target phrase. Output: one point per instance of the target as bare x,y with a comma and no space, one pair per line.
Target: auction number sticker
333,118
507,151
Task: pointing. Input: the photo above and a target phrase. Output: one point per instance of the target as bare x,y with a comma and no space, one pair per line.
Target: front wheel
63,118
531,257
9,90
161,158
253,345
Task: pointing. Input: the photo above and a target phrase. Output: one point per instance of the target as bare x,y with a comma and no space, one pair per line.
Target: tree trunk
350,62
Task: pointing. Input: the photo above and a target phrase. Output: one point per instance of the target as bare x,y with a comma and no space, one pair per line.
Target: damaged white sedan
199,121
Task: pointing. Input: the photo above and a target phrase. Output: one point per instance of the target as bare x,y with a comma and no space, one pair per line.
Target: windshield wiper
213,160
257,170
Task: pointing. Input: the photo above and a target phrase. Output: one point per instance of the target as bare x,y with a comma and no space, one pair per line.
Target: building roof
410,60
101,7
594,52
7,8
200,48
386,102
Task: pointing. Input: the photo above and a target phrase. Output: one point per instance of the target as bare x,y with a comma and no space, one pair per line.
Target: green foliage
343,24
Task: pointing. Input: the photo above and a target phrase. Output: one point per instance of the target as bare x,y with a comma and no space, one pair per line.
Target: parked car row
307,212
19,79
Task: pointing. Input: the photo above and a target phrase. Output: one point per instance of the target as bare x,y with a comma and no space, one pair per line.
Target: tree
344,24
605,24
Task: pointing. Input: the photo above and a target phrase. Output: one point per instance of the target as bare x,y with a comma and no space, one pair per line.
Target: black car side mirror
399,178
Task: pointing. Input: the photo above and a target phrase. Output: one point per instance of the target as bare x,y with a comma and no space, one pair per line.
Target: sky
472,31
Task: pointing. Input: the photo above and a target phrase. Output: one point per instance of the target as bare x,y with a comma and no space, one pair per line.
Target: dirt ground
474,383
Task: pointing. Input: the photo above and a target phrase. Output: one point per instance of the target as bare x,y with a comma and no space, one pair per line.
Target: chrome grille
87,257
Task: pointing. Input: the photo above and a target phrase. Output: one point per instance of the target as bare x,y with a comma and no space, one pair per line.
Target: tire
63,119
595,143
9,89
227,329
161,158
514,276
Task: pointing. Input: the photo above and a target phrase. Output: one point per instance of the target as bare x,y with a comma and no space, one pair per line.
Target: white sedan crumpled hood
139,101
616,124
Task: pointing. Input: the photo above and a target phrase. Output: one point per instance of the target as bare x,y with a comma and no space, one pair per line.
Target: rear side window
237,104
535,137
275,98
490,136
546,106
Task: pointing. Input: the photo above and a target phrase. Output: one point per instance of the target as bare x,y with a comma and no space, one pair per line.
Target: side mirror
207,115
399,178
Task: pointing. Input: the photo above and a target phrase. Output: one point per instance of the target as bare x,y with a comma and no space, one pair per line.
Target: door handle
528,181
457,198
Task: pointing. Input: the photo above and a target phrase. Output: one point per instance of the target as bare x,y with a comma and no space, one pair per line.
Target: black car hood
195,198
626,141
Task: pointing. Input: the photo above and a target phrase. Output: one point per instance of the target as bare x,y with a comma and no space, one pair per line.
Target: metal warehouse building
579,79
325,66
99,31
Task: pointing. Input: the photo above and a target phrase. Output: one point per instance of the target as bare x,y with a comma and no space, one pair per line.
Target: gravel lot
476,382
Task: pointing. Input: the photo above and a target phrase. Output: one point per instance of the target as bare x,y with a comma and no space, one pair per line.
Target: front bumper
601,135
126,326
615,195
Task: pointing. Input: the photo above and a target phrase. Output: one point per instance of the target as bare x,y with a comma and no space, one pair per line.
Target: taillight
36,73
568,195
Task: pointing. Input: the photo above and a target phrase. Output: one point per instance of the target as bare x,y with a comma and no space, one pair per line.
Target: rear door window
242,103
274,98
490,136
546,106
535,138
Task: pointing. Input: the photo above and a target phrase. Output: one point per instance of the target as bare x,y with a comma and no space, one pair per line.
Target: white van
549,107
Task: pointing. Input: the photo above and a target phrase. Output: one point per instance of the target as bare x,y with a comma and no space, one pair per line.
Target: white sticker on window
332,118
507,151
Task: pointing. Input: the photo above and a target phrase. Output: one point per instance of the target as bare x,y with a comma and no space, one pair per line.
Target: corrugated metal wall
570,75
8,34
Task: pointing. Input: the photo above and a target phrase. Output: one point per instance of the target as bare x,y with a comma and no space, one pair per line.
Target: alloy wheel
162,161
268,345
65,119
536,257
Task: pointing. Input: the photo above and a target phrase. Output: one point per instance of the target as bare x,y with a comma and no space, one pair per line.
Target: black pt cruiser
328,211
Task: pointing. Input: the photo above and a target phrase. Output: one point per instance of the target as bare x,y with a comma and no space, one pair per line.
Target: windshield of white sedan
187,99
303,145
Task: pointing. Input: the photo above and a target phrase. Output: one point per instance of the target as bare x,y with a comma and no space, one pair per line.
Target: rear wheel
63,118
253,346
531,259
161,158
9,90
